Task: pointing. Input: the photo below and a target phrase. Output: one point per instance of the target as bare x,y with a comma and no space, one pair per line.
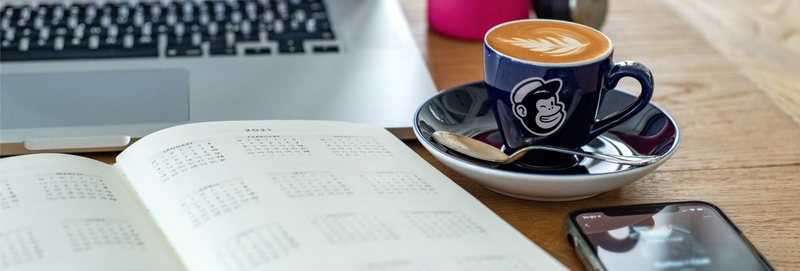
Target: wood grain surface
761,37
732,97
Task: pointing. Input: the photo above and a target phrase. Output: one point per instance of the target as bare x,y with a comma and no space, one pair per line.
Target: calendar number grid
18,248
444,224
8,197
355,146
101,234
72,186
215,200
397,183
257,247
344,229
185,157
310,184
273,146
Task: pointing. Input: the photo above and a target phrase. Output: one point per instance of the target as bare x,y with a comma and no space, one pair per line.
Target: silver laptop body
375,75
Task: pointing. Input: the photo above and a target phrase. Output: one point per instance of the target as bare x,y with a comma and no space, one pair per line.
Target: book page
64,212
315,195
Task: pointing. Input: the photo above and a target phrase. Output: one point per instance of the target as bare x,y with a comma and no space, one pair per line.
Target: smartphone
684,236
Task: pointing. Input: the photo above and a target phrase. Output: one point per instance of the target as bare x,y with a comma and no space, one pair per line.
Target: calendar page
312,195
62,212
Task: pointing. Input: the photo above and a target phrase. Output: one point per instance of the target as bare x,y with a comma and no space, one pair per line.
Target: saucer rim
562,177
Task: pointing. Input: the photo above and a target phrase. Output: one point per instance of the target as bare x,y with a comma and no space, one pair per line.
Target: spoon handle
632,160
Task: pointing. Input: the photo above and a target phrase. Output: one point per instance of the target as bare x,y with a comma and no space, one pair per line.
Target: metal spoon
488,153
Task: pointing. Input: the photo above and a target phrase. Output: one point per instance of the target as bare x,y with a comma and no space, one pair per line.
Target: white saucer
465,110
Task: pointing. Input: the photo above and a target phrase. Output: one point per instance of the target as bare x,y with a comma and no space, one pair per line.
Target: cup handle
618,71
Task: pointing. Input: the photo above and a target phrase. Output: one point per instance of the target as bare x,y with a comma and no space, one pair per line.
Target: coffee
547,41
545,81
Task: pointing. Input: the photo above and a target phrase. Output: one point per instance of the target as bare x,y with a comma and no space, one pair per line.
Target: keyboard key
134,29
221,48
39,44
183,50
7,45
290,46
76,43
13,55
326,49
258,51
293,34
110,42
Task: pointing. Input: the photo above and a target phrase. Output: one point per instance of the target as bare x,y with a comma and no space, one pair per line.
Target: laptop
95,76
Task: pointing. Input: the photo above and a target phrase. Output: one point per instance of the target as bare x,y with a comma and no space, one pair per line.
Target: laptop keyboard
181,28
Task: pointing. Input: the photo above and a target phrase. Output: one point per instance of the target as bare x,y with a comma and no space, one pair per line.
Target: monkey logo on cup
537,106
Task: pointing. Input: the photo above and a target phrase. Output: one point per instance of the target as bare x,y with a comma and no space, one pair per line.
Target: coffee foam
548,41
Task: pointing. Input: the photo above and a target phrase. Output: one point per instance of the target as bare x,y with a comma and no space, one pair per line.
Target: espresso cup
545,80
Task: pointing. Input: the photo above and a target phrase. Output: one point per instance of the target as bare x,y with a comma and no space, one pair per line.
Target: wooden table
762,38
738,149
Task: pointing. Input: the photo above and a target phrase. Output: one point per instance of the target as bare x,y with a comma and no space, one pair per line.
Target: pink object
470,19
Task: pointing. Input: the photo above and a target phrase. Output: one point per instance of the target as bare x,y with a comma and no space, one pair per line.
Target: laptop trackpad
93,98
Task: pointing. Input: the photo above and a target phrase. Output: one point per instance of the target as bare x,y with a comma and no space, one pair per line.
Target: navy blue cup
556,104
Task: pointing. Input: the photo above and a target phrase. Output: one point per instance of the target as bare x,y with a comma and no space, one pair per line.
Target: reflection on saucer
601,144
465,110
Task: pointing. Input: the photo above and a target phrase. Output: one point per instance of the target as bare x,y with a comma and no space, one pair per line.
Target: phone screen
683,236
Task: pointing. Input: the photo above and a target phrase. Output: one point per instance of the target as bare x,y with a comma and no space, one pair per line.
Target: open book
252,195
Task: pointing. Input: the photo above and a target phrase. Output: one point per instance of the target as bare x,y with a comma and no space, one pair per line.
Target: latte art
555,46
548,41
